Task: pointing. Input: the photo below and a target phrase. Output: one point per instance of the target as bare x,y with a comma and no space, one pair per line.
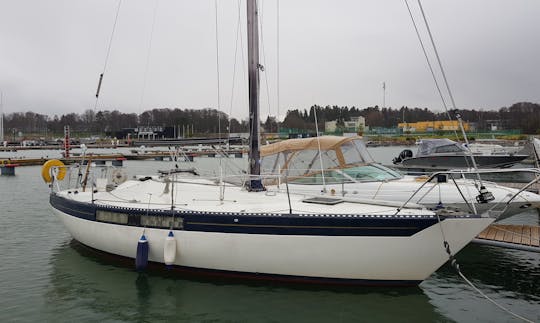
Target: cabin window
161,221
351,154
371,173
448,149
362,149
273,164
367,173
111,217
306,161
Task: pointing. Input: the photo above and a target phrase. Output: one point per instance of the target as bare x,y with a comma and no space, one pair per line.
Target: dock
521,237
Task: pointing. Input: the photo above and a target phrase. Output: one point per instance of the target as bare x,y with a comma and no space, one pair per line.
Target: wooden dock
522,237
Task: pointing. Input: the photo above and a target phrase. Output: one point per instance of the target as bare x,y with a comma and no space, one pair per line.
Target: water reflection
499,269
84,284
510,277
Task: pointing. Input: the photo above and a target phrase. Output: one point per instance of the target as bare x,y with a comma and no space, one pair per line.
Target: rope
147,64
490,299
234,66
481,187
108,52
319,146
217,69
264,59
431,70
277,59
455,265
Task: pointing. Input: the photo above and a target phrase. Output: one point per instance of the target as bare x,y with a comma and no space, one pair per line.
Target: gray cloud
331,52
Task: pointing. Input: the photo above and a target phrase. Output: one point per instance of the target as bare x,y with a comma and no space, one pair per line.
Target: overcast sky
330,52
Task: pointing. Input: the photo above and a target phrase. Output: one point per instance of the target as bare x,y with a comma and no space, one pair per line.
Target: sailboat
206,226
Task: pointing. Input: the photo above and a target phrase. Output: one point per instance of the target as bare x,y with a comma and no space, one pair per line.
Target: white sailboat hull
360,259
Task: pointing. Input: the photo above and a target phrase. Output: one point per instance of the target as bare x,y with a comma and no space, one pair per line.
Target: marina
196,209
50,277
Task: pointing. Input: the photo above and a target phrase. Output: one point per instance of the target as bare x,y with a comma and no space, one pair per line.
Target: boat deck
522,237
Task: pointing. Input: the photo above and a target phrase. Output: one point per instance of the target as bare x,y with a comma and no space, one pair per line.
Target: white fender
169,249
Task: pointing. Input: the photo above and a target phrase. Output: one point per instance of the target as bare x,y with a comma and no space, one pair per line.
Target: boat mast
254,183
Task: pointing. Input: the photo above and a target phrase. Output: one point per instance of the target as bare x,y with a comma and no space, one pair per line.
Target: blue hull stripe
280,224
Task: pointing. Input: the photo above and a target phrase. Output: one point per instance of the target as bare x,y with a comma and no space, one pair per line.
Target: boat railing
106,177
484,196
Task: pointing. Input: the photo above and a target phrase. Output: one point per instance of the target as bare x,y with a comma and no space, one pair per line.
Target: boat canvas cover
434,146
301,156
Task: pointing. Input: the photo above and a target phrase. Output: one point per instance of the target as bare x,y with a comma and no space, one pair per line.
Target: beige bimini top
300,157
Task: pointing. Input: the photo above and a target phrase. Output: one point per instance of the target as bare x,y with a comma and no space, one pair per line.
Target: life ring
46,170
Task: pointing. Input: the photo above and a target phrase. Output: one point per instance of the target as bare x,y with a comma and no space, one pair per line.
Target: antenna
384,94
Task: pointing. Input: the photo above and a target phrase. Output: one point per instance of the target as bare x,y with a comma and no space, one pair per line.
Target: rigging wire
147,64
319,146
480,187
428,61
445,105
108,53
452,259
239,39
448,88
217,69
264,58
234,66
277,62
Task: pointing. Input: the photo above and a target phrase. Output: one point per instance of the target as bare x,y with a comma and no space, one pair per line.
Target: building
356,124
432,126
330,126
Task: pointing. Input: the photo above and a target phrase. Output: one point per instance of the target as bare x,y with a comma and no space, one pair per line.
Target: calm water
46,276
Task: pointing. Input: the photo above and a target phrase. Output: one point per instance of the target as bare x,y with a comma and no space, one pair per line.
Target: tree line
524,116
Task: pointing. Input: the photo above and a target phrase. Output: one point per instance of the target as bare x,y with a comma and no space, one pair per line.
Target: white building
356,124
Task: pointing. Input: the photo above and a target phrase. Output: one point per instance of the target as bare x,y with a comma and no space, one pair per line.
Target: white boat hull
350,259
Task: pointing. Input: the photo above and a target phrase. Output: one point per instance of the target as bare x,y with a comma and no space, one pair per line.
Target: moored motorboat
441,154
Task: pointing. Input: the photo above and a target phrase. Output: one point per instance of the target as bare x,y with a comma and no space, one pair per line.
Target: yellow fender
46,170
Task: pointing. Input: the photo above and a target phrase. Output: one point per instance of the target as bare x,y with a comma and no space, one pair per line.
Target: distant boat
536,148
441,154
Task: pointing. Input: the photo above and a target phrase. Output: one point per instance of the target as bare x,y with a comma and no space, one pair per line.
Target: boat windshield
438,146
364,173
